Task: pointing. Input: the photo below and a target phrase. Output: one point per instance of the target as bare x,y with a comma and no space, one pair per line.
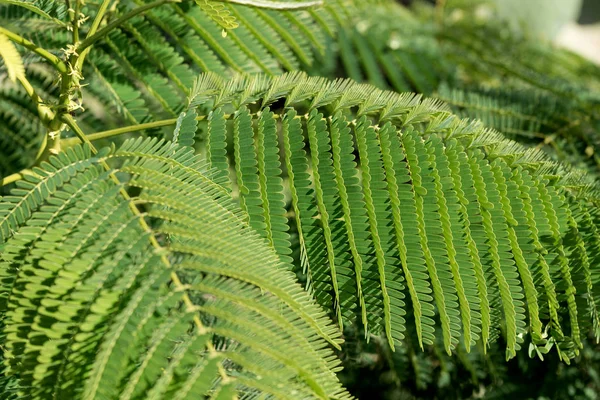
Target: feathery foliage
165,267
471,230
145,66
119,308
464,53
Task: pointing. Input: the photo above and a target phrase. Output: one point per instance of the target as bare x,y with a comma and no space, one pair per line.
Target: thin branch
99,17
68,142
44,112
51,58
276,5
76,21
90,40
95,25
15,177
120,131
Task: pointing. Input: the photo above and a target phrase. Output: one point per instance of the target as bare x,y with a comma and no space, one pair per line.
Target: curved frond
399,205
104,295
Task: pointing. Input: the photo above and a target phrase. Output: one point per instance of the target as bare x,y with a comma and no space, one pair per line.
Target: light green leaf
12,59
218,13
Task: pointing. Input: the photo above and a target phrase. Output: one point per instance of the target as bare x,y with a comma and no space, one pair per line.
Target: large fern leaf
474,235
166,294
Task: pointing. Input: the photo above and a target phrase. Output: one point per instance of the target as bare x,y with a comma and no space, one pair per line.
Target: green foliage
165,266
497,75
121,309
12,59
493,245
145,67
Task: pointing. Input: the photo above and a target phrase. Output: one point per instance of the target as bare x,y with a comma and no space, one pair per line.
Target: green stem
98,19
128,129
67,119
92,31
51,58
69,142
90,40
76,21
15,177
277,5
51,145
44,112
120,131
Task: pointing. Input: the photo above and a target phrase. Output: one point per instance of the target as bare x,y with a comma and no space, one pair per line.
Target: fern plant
465,54
165,266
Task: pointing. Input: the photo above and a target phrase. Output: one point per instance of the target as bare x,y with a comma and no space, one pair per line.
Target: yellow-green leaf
12,58
218,13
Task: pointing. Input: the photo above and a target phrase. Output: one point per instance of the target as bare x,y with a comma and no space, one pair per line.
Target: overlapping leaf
442,233
181,300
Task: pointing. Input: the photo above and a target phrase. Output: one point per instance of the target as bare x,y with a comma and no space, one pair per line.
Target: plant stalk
15,177
76,21
99,17
120,131
277,5
44,112
51,58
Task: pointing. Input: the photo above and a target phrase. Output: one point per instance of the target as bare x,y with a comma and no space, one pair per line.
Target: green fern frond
155,57
42,8
179,319
131,273
530,90
453,227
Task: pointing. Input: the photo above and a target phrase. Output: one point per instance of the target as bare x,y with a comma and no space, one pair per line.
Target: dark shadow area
590,12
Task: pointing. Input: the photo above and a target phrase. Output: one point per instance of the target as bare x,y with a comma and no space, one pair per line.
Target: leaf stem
44,112
120,131
51,58
69,142
91,32
76,21
276,5
15,177
99,17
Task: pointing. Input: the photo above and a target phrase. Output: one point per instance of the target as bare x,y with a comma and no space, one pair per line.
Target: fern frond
125,329
277,5
453,227
154,57
41,8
